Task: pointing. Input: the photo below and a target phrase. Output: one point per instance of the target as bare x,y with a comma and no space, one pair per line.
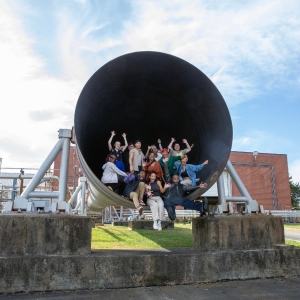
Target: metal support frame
83,195
222,206
63,144
80,202
251,205
14,192
42,170
237,180
64,168
110,214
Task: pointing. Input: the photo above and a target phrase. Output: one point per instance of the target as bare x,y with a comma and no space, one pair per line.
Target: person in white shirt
112,176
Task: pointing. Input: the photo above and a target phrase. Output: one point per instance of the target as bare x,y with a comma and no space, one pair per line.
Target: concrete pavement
292,234
275,288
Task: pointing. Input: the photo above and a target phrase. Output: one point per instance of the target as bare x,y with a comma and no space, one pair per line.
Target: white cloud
236,46
232,45
241,142
27,94
262,141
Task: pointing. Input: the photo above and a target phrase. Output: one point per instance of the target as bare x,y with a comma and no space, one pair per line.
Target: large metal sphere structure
150,95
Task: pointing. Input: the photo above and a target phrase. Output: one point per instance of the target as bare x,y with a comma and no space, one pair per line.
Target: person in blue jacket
187,172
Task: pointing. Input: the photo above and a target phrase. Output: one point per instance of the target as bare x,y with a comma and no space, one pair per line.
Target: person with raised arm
153,149
154,190
176,194
157,153
159,144
176,151
118,150
187,172
149,150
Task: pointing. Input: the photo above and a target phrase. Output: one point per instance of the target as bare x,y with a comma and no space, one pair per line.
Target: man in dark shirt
175,195
135,188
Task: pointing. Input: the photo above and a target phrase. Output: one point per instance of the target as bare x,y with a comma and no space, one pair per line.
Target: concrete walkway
276,288
292,234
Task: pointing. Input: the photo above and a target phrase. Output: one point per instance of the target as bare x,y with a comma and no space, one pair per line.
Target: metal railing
289,216
112,214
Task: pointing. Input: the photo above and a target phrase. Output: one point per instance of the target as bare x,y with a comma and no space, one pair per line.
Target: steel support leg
237,180
83,195
63,182
74,196
241,187
43,169
221,195
221,190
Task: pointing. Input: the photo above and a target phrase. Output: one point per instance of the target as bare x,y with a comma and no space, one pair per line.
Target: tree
295,194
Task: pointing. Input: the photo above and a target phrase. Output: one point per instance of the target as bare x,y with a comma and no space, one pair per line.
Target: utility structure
152,95
148,95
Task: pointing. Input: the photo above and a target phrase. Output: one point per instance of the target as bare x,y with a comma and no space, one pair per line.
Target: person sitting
118,150
175,195
136,157
135,188
176,151
112,176
187,172
154,191
153,166
168,160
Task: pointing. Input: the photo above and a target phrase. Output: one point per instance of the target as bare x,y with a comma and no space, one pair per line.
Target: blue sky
49,49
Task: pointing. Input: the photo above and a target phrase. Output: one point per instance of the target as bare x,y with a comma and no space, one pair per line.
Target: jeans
170,204
157,208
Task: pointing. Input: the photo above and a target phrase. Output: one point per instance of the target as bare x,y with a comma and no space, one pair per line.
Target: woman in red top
153,166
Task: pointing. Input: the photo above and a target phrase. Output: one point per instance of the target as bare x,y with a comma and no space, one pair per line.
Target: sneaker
141,202
159,226
155,225
140,211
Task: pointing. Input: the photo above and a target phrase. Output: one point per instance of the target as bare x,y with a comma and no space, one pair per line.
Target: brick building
265,177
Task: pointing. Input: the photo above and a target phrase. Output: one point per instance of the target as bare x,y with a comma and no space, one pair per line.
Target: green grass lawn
120,237
291,242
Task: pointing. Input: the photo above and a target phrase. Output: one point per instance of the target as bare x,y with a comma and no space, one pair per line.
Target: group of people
162,177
